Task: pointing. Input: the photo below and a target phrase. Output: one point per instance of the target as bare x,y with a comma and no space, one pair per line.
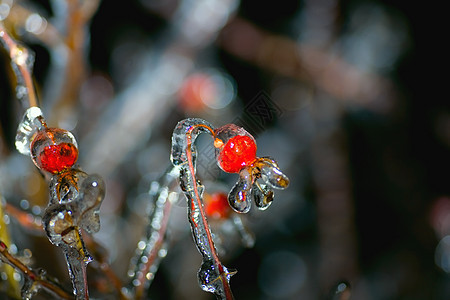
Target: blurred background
335,91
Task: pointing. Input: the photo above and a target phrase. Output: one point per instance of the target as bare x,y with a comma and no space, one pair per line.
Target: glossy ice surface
54,150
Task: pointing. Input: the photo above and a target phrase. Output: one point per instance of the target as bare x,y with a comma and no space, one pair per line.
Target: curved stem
199,204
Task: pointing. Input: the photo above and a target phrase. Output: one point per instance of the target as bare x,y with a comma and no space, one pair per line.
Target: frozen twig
5,236
310,64
27,220
153,247
34,280
212,276
22,60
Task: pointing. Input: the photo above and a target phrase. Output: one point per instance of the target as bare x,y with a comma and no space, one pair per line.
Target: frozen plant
75,197
235,153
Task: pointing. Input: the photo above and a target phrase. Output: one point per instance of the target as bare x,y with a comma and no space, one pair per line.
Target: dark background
396,161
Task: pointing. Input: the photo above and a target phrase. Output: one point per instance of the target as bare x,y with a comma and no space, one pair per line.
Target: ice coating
30,124
210,279
256,183
235,148
262,195
54,150
64,187
187,129
29,289
91,197
22,60
272,175
212,275
74,205
239,197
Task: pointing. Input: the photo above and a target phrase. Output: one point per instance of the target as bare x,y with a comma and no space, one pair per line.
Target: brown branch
45,283
25,219
20,57
314,65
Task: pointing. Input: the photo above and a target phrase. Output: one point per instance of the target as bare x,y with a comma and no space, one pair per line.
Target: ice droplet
262,195
238,198
92,192
30,124
271,174
210,277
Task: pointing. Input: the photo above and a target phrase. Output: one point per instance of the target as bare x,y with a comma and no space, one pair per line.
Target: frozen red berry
216,206
238,152
54,150
56,158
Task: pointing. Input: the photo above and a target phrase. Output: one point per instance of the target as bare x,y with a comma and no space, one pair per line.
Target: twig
4,235
27,220
31,274
22,61
310,64
183,140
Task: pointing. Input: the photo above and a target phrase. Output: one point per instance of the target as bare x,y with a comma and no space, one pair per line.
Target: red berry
197,90
56,158
54,150
217,206
238,152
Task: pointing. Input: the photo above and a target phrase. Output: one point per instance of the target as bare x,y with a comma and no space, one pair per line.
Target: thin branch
22,62
100,263
45,283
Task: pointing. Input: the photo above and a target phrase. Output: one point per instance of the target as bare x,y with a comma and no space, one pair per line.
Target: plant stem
197,202
51,287
20,59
